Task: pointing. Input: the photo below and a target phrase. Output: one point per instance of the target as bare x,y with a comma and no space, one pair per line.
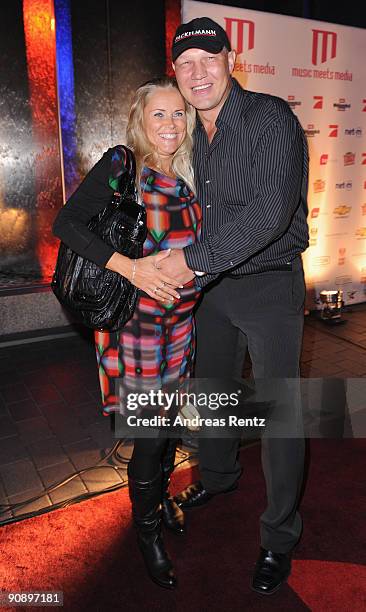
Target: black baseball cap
200,33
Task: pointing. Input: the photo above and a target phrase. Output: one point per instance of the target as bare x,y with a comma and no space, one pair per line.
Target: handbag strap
123,159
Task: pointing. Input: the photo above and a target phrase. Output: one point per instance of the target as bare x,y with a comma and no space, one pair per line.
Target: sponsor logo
351,294
345,185
333,131
342,210
313,238
319,186
318,102
195,33
292,102
311,131
316,73
341,105
363,159
325,159
323,260
343,280
360,233
336,234
353,132
302,72
349,158
245,30
245,66
241,34
341,256
324,46
315,212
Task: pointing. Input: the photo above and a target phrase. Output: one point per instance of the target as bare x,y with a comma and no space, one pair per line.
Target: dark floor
51,426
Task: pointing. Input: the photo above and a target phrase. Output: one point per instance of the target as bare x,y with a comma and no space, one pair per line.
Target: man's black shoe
196,495
271,570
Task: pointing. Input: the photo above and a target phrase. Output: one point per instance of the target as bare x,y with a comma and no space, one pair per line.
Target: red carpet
88,550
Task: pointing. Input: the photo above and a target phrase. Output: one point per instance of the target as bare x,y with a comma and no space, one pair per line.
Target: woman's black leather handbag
97,297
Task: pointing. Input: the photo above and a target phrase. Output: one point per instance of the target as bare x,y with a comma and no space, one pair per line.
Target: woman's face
165,121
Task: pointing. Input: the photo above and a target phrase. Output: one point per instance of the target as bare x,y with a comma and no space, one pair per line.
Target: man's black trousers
261,313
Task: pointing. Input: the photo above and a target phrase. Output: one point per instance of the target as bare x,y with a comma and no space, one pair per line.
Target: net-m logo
324,46
353,132
345,185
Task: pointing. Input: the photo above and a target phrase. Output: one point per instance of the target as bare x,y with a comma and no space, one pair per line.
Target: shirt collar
232,109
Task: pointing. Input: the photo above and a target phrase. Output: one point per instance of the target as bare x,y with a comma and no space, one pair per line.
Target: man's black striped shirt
252,183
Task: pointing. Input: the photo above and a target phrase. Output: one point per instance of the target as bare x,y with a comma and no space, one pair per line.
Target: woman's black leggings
148,455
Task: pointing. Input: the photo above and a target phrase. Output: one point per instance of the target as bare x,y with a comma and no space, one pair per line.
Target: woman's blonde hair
143,148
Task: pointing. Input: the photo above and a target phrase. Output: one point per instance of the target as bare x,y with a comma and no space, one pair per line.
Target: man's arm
277,173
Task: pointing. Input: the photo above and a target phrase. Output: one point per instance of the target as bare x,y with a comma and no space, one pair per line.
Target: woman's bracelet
133,271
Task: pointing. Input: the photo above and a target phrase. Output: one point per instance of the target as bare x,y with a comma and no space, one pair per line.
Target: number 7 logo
318,102
333,131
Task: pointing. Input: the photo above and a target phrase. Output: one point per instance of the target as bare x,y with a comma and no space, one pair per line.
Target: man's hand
175,266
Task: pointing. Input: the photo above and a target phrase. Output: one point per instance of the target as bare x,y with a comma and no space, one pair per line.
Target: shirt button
208,206
208,181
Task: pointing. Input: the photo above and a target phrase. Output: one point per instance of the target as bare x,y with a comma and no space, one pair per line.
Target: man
250,160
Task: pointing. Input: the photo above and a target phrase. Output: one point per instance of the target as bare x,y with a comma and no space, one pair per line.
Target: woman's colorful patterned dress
156,347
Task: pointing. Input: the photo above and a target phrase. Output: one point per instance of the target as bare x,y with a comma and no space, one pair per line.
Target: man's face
204,78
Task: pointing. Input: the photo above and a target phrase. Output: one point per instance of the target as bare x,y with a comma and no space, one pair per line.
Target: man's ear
231,57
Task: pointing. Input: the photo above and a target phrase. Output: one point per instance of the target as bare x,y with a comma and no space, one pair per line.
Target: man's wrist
197,259
195,272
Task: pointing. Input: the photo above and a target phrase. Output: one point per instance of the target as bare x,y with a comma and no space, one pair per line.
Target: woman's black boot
173,516
146,511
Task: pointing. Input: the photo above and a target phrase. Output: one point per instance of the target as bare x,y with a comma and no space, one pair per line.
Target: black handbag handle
130,185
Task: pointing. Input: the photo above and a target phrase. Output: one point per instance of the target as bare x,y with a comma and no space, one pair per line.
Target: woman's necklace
167,172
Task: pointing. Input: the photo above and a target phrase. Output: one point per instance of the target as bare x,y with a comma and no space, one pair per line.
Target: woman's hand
153,281
145,275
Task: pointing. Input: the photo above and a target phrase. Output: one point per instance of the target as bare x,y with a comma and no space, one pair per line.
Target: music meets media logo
323,49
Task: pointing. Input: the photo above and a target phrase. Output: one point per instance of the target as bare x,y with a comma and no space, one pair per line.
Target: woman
156,347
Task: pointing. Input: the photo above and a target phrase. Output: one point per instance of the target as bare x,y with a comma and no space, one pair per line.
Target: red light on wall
172,21
40,42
